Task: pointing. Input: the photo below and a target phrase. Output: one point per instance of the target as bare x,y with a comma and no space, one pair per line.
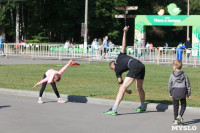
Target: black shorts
136,70
105,50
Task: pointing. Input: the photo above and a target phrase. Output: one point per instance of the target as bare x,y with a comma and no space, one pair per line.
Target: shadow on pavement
128,113
192,122
160,101
6,106
77,99
162,106
50,102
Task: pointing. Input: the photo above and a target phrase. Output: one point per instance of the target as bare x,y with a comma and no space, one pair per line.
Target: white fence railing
154,55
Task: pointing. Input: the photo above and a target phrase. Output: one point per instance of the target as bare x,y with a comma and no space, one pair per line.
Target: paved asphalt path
24,115
17,60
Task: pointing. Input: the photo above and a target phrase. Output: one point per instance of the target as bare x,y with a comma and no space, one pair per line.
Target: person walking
179,88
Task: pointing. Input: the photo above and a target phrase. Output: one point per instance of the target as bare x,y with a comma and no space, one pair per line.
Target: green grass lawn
97,80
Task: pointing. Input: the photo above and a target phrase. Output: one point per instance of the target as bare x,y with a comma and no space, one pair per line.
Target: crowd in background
103,45
141,49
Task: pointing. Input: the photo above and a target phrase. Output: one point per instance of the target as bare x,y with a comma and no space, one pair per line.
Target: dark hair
57,77
111,63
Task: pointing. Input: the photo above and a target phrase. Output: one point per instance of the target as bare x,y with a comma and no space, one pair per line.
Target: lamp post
188,13
86,30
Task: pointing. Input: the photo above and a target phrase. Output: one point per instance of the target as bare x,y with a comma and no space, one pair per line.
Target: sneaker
61,101
175,122
40,101
180,119
110,112
140,110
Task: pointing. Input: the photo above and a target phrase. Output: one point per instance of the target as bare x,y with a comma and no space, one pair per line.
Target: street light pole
86,30
188,13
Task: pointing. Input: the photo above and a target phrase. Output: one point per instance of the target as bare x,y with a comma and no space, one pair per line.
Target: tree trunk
3,34
23,25
17,26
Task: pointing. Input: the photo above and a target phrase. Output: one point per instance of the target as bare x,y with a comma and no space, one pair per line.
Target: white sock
114,108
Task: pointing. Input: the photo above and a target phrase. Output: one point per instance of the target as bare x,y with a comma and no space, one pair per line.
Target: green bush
33,41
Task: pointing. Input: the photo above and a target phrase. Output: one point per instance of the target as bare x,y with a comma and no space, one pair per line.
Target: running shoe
140,110
110,112
175,122
40,101
180,119
61,101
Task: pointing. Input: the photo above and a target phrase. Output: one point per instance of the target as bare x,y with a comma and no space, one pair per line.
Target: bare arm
124,39
65,67
42,81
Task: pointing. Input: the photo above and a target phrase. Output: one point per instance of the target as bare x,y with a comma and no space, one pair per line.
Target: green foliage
113,34
33,41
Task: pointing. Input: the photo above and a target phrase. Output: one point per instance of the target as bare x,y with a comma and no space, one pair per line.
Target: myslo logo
184,128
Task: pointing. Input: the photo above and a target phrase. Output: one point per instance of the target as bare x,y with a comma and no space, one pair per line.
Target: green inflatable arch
168,20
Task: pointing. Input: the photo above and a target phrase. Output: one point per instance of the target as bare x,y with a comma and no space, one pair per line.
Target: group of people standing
181,47
102,46
68,44
141,48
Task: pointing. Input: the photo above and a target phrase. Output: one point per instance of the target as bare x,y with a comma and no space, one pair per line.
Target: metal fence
154,55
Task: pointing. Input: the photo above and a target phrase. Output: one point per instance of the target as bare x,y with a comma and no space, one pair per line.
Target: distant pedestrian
105,45
142,46
188,45
100,45
1,45
179,88
71,44
148,48
67,45
179,51
151,46
166,47
136,46
111,46
52,76
94,46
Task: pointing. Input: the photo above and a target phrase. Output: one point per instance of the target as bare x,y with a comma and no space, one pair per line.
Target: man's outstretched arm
124,39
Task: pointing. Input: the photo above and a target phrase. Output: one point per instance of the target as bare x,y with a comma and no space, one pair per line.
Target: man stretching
136,71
